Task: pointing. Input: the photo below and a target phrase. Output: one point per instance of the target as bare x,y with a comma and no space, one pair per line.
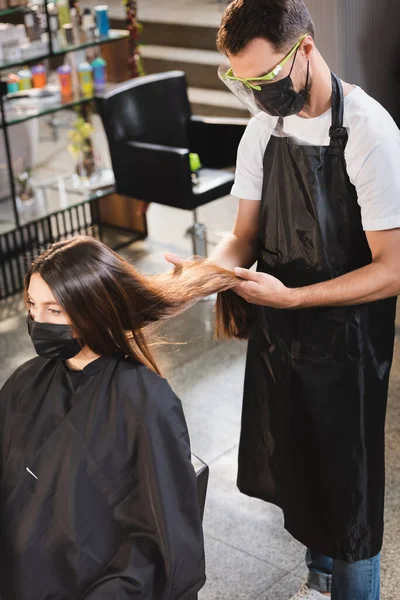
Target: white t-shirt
372,156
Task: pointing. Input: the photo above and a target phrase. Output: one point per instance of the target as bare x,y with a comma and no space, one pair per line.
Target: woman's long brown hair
109,304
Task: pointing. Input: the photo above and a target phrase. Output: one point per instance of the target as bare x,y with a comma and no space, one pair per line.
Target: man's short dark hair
281,22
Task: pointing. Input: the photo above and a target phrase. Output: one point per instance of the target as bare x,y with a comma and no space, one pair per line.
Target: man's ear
307,46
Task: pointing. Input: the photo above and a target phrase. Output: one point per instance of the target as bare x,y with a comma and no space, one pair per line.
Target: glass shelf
32,108
114,35
57,196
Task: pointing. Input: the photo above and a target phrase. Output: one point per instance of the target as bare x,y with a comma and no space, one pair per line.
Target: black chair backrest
153,109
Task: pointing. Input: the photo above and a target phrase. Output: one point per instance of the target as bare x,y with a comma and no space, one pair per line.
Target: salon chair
202,472
151,133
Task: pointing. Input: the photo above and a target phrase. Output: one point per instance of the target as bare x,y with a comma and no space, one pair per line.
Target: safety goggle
269,76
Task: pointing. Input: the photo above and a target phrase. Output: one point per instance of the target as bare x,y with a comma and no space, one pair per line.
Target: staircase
189,48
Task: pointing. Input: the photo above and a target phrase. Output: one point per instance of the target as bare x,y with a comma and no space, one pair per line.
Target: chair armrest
152,173
216,140
202,473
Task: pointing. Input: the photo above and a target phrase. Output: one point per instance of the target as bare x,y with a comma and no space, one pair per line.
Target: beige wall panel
325,16
360,40
371,48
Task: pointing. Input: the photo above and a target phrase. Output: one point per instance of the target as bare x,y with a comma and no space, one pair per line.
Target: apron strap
337,131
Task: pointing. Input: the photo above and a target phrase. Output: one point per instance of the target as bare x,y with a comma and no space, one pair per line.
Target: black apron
316,382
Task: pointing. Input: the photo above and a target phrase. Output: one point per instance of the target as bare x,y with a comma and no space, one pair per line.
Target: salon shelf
56,198
43,108
113,36
60,208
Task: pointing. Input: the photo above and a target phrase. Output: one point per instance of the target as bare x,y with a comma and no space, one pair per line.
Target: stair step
216,103
200,66
177,34
190,55
173,34
202,12
187,35
172,44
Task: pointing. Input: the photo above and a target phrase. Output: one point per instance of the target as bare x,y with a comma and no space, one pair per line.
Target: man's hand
377,280
174,259
263,289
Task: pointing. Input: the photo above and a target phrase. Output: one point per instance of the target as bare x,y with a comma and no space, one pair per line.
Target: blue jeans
345,580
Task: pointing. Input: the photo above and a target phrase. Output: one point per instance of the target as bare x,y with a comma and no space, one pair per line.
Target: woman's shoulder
25,372
145,388
22,378
135,370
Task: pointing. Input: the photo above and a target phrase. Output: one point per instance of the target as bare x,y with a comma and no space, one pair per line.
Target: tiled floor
249,555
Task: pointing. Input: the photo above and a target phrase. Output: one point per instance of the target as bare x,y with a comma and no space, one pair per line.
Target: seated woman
98,495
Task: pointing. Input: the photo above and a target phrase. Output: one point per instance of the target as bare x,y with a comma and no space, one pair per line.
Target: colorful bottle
65,78
68,33
12,83
76,26
99,74
64,15
32,23
88,25
25,79
54,24
86,79
39,76
103,24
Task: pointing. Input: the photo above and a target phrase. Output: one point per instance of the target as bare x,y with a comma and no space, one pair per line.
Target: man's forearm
373,282
234,251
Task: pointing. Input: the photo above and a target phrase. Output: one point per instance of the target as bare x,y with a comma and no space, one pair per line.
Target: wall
371,48
325,16
360,40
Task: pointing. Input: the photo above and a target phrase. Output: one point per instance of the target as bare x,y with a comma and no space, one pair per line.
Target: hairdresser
318,179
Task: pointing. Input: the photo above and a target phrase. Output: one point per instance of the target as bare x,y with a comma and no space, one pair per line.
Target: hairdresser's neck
81,360
320,100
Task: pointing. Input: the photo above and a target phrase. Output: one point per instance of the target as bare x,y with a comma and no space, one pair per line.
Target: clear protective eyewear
228,76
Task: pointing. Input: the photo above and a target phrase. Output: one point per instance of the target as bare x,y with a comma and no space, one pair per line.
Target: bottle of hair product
65,78
32,23
54,23
88,25
76,20
86,79
75,6
68,34
39,76
64,14
99,74
103,24
87,19
25,79
12,83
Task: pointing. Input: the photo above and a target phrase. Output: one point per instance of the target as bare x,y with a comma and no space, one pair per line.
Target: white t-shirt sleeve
372,157
375,171
250,158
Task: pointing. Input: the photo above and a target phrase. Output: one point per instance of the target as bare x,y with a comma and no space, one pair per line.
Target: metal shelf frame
19,245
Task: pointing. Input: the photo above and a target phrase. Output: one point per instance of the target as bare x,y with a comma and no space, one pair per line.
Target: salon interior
66,69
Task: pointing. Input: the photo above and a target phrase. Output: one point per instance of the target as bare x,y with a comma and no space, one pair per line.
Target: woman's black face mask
279,99
53,341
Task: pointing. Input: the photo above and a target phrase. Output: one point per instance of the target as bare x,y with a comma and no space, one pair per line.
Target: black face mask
279,99
53,341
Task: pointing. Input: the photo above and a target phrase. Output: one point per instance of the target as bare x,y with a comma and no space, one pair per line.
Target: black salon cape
98,493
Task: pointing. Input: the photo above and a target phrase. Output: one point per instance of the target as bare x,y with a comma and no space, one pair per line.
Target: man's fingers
246,288
247,274
174,259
